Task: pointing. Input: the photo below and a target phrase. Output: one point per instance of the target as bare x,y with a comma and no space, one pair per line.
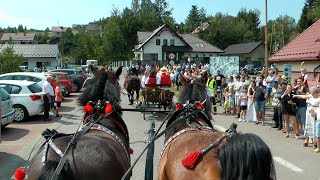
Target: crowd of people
246,97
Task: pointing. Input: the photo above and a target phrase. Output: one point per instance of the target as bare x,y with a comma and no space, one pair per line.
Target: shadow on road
13,134
9,163
66,109
67,100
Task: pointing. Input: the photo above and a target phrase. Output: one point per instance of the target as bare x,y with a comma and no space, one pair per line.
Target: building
58,30
163,46
249,53
19,38
36,54
305,47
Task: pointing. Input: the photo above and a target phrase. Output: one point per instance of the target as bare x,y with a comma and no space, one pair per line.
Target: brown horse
132,85
193,150
102,152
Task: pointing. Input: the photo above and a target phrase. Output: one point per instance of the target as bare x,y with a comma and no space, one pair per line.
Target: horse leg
129,97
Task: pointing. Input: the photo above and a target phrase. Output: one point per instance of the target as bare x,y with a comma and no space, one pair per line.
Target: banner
228,65
287,72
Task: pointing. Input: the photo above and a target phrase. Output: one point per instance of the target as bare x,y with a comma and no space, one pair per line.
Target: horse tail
49,168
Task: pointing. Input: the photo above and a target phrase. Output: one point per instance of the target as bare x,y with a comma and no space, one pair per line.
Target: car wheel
20,113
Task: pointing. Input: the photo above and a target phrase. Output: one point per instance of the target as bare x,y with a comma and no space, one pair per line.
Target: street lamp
266,41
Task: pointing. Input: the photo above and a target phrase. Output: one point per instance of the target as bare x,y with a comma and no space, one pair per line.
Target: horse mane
192,92
246,157
104,87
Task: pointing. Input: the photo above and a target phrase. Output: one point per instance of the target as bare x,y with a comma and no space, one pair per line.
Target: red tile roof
305,47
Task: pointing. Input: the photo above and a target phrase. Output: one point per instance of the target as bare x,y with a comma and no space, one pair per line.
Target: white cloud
7,19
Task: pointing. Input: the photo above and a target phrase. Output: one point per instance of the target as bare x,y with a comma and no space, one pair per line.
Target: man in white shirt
238,90
47,91
144,80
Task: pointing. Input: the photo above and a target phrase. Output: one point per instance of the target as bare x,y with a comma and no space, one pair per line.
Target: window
171,42
4,95
35,88
158,42
15,89
165,42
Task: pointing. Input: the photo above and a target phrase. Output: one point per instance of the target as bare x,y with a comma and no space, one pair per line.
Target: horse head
192,93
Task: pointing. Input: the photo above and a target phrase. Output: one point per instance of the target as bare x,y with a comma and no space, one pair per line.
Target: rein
72,142
158,136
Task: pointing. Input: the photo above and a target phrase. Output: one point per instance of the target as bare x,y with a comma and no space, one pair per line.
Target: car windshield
4,95
35,88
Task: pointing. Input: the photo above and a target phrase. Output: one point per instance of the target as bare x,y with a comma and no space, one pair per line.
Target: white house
164,45
36,54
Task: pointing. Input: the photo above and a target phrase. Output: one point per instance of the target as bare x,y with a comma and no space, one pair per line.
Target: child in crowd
231,99
226,101
58,98
243,104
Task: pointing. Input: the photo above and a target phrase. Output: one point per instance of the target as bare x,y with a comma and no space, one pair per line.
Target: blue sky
40,14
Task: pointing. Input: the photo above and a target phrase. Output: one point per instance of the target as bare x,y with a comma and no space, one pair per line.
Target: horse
195,150
101,152
132,85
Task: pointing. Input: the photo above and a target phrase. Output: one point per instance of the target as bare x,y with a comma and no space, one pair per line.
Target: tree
10,61
310,13
194,18
252,22
67,42
20,28
43,37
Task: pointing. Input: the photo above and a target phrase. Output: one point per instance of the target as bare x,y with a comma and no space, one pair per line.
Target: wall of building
32,62
151,47
257,57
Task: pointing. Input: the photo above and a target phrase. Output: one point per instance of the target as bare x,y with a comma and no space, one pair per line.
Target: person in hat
165,80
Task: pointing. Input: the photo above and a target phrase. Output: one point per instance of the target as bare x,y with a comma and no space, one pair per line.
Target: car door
6,103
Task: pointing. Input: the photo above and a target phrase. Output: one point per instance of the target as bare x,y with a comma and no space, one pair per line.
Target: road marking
288,165
281,161
220,128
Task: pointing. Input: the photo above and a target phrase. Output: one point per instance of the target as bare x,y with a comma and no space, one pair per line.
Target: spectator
251,112
270,80
260,100
144,80
301,104
276,94
47,91
238,90
304,74
211,89
289,111
58,98
218,79
226,104
243,104
231,84
313,102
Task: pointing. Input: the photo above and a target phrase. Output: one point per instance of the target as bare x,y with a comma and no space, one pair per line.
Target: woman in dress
313,100
251,112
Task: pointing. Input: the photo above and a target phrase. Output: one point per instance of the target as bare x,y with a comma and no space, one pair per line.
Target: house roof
34,50
306,46
193,43
244,48
58,29
18,36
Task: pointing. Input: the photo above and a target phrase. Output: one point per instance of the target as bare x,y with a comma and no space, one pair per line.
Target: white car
26,96
7,111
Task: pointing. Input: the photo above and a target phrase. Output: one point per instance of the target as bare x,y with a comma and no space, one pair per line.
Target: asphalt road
292,161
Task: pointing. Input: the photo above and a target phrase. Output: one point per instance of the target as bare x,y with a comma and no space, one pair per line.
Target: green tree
10,61
310,13
252,23
194,18
43,37
20,28
67,42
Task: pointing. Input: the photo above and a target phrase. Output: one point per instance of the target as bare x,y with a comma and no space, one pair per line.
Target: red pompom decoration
88,108
109,108
198,105
191,160
20,174
131,151
178,106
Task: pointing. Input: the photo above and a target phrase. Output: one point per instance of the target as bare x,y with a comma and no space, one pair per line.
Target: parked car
7,111
39,78
24,68
26,97
77,76
65,82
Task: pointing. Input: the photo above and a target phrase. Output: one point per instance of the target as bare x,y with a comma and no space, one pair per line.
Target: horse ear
118,72
182,79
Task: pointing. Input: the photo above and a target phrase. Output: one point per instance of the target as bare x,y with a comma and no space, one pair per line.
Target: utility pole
266,41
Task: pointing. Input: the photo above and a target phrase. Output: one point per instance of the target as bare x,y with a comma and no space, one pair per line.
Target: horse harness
50,135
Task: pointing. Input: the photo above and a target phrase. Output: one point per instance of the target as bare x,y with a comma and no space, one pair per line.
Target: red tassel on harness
131,151
198,105
20,174
108,108
88,108
178,106
191,160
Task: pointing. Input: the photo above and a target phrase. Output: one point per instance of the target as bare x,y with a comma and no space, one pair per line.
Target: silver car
7,111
